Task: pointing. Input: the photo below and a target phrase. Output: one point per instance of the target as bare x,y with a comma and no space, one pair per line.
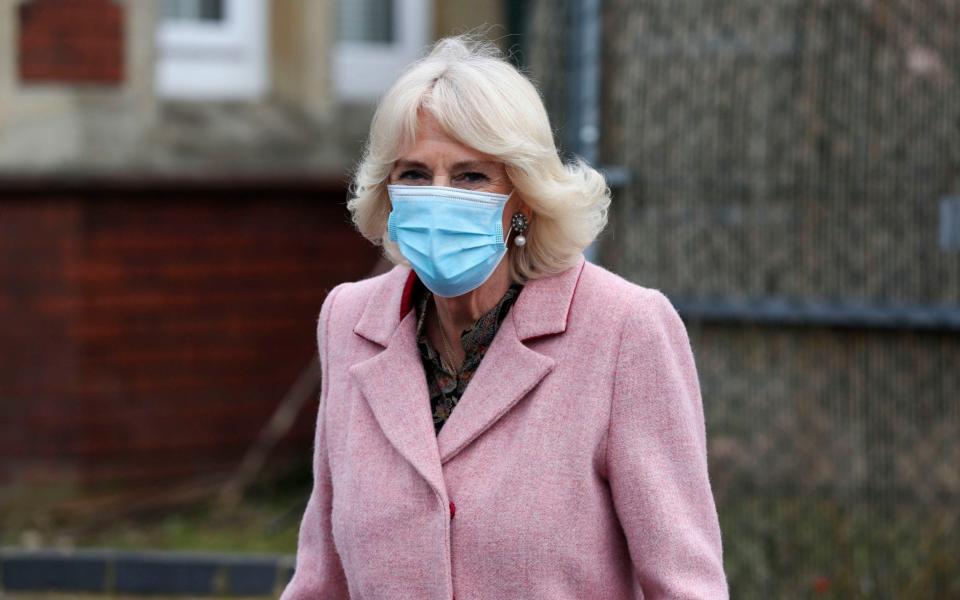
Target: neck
456,314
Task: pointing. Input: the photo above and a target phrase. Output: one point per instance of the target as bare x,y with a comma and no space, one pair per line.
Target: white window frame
362,71
214,60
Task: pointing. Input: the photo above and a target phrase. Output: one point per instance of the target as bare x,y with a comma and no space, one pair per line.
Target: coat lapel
394,384
507,372
510,369
393,380
395,387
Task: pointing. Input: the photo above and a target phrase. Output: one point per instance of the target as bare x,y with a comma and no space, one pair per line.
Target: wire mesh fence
799,152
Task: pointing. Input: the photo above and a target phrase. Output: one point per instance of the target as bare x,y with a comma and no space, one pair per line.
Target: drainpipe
583,132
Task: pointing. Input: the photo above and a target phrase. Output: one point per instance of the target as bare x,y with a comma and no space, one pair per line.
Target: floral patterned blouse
445,387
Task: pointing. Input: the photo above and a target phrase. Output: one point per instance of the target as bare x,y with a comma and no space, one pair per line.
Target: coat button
453,509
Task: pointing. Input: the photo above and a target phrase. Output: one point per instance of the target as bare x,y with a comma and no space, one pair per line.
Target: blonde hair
485,103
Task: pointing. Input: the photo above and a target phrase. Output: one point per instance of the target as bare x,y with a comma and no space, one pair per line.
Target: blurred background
172,185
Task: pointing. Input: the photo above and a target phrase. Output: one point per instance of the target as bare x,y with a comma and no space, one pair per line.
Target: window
365,21
375,40
212,49
193,10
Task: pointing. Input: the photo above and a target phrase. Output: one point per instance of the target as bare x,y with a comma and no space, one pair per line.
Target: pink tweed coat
573,467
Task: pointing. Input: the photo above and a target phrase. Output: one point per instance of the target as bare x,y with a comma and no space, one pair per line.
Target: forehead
433,144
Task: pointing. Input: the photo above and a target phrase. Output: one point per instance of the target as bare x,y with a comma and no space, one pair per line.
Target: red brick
130,314
78,41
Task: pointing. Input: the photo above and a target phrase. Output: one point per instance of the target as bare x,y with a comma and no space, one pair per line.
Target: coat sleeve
657,458
318,572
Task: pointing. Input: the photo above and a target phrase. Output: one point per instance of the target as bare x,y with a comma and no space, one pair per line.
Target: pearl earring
519,224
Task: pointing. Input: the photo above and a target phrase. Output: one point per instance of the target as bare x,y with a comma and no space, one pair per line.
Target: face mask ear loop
506,238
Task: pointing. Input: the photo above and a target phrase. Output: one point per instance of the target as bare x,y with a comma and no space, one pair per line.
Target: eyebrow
466,164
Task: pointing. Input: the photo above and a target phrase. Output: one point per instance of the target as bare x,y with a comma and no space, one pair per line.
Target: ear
522,206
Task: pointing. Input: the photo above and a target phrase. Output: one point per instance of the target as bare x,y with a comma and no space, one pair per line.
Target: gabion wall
798,150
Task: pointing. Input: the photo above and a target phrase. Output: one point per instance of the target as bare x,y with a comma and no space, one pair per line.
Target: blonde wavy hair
487,104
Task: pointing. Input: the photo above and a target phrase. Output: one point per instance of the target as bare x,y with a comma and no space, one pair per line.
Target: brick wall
148,333
75,41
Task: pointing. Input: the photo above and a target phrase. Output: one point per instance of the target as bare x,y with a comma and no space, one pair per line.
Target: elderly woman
498,417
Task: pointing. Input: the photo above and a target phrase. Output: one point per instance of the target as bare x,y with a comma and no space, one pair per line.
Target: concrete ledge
133,572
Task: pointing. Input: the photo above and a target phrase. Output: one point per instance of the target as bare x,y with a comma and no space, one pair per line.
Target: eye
474,177
412,174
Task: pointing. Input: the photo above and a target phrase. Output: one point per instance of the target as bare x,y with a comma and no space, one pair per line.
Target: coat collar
542,308
393,383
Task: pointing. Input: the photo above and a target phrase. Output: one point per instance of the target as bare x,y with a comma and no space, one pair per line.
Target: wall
301,48
59,123
149,331
453,17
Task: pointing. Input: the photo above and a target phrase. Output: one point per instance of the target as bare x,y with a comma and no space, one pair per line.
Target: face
438,159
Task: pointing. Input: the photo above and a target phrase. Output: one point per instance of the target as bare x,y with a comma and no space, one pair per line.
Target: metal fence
794,167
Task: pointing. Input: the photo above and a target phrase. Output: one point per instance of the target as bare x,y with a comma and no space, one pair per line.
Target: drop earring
519,224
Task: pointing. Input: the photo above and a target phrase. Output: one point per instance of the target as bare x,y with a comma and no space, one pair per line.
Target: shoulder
356,294
653,346
346,302
629,307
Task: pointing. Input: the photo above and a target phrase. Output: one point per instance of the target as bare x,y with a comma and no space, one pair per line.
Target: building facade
172,213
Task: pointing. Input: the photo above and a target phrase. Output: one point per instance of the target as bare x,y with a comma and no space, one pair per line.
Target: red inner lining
406,300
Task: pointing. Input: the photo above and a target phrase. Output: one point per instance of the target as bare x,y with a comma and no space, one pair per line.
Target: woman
498,417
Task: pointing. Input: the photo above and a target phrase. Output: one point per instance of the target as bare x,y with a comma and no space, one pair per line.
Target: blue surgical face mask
453,238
